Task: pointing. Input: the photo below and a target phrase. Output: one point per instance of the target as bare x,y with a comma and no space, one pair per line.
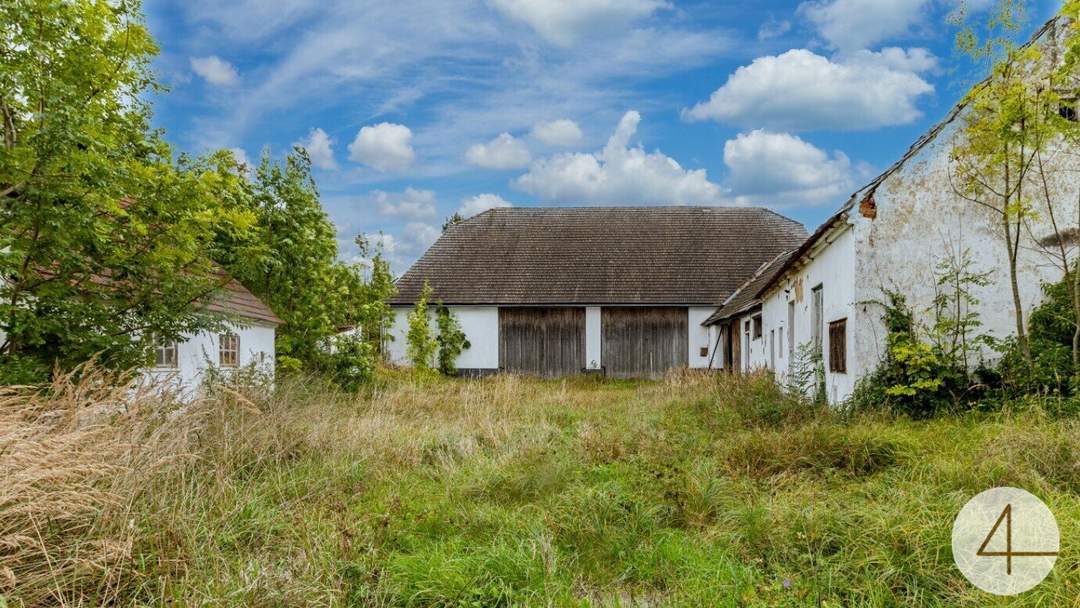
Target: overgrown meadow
695,490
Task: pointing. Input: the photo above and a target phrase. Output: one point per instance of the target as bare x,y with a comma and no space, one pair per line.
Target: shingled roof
600,255
746,297
235,300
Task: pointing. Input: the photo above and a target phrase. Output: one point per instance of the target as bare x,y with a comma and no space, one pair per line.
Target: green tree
420,343
103,237
1011,120
372,299
290,260
451,340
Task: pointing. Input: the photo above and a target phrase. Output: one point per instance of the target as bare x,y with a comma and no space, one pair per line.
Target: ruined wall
913,221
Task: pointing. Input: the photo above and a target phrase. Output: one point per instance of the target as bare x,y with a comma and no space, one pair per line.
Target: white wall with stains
831,266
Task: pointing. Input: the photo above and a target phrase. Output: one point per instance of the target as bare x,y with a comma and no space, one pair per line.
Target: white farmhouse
615,290
891,235
246,341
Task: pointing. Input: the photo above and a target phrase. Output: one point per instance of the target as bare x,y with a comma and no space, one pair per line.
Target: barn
622,291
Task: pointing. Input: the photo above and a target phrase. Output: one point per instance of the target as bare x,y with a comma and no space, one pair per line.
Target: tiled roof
600,255
746,297
233,299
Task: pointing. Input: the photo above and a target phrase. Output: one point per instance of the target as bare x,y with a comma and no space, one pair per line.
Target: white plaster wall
593,338
832,267
700,337
920,222
481,327
758,358
199,352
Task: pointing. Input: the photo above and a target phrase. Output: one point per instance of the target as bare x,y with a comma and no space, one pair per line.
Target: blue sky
413,110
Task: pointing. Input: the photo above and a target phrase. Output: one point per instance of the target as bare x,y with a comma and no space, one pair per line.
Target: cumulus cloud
503,152
860,24
385,146
562,132
620,173
564,22
412,203
215,70
800,90
401,250
481,203
320,149
781,169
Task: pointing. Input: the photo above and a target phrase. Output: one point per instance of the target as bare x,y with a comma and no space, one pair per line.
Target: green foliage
1051,327
289,258
420,343
955,324
916,378
103,236
451,340
350,364
371,301
452,221
807,376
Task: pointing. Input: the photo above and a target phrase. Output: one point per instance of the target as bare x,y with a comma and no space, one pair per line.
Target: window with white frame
228,350
165,355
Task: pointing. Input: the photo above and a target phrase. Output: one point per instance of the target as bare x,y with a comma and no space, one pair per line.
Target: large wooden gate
542,341
643,342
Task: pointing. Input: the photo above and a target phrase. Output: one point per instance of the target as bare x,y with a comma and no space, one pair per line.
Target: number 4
1008,553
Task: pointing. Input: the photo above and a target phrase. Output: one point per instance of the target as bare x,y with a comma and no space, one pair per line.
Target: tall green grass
695,490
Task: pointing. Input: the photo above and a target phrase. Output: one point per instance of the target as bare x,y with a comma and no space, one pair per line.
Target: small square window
757,327
165,353
228,350
1067,110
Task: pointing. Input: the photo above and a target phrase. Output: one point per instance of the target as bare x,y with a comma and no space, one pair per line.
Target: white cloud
481,203
412,203
773,28
859,24
215,70
618,174
241,156
320,149
564,22
781,169
503,152
800,90
385,146
561,132
401,250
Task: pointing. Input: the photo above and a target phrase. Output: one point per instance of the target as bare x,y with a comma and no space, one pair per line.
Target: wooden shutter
838,346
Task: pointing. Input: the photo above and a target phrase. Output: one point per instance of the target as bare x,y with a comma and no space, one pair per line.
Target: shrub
351,364
915,378
1050,331
420,344
451,340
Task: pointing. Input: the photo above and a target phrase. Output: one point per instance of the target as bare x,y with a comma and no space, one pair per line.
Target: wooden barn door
643,342
542,341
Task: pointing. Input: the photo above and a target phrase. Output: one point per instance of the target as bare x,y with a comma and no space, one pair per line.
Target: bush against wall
451,341
420,344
